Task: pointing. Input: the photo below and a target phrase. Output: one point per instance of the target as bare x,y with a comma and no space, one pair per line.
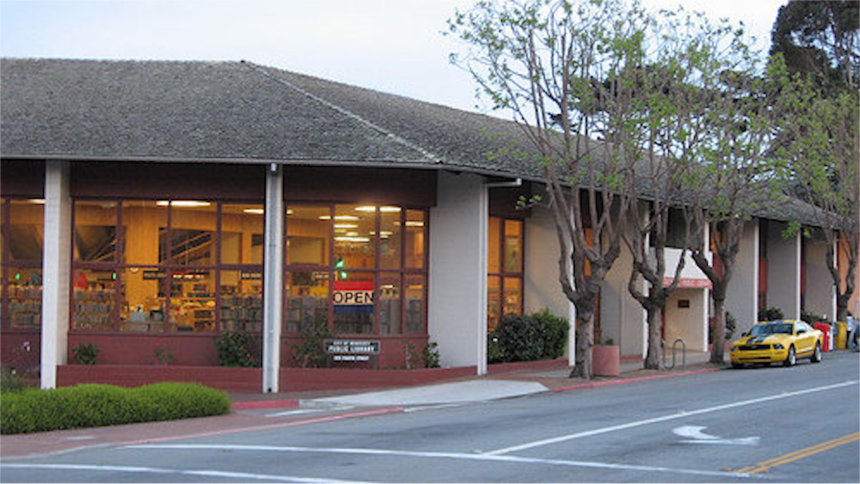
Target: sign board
351,347
353,297
689,283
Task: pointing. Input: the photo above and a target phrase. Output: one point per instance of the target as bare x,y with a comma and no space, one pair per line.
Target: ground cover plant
93,405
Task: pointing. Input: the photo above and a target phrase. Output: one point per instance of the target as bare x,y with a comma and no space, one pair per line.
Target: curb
264,404
625,381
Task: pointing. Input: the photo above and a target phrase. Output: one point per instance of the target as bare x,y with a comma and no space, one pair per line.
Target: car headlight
778,346
734,348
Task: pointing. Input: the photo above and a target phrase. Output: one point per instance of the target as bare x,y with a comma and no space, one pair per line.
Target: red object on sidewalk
824,328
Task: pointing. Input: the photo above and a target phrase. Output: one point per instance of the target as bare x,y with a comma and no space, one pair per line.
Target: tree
821,147
820,39
734,177
567,72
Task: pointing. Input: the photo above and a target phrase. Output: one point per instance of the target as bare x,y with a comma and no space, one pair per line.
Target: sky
394,46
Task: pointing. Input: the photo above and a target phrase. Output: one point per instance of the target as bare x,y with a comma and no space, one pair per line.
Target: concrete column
273,278
783,270
742,294
541,286
56,271
820,297
457,311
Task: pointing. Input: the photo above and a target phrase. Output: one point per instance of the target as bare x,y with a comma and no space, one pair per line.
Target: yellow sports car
777,341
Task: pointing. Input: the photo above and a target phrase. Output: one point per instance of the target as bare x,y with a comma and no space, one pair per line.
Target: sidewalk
498,385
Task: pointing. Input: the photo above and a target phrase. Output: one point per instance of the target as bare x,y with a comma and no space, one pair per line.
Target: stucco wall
457,311
819,298
742,296
783,270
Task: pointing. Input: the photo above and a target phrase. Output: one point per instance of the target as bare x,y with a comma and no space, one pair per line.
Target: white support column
783,270
742,293
273,278
457,308
56,271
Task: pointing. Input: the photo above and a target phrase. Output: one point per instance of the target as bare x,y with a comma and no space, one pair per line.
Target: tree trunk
842,307
584,342
719,342
654,358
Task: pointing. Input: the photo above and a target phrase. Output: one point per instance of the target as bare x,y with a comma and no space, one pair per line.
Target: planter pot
606,360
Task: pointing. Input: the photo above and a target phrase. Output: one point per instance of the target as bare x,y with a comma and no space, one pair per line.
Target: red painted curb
610,383
264,404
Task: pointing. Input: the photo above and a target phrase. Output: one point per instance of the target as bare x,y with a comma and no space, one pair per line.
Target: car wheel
816,355
737,366
791,359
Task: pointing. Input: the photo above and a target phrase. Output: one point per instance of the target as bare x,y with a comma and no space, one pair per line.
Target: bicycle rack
683,353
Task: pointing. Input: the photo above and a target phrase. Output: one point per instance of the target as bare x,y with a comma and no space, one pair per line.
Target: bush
770,314
811,317
86,354
526,338
91,405
11,381
555,333
310,351
236,349
430,355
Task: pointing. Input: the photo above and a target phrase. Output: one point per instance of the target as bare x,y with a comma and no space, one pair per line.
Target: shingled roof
233,111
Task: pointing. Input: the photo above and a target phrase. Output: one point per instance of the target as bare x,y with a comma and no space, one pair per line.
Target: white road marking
696,436
665,418
447,455
294,412
156,470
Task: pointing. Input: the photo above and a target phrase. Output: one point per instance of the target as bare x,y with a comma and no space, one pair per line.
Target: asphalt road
798,424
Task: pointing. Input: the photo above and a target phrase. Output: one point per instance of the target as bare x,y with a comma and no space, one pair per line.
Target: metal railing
675,354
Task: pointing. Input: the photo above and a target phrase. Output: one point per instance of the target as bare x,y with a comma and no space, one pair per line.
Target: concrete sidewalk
475,388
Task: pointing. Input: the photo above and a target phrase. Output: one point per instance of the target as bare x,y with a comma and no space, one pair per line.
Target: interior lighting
37,201
414,223
182,203
352,238
372,208
346,226
345,218
254,211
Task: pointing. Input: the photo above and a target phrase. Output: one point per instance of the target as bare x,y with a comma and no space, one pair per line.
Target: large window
356,269
167,265
21,238
505,269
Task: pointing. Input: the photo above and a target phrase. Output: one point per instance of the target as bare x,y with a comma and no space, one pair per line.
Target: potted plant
606,359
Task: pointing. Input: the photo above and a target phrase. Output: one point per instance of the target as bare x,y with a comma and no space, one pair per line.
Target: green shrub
90,405
495,353
770,314
11,381
430,355
521,337
310,351
555,333
236,349
86,354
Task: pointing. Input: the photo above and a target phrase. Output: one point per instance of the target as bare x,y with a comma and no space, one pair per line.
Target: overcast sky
393,46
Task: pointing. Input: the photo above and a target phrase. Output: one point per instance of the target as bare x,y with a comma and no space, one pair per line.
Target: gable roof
232,111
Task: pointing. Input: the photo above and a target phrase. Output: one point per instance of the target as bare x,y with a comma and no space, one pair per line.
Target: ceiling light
339,217
254,211
352,239
182,203
414,223
346,226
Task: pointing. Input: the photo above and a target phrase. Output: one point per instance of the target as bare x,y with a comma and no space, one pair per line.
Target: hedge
92,405
526,338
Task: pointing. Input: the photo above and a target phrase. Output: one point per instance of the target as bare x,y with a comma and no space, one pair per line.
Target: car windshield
773,328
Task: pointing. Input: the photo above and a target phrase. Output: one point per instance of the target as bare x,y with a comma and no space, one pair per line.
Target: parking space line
448,455
799,454
666,418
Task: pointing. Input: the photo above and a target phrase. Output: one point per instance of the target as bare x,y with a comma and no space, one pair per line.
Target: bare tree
567,70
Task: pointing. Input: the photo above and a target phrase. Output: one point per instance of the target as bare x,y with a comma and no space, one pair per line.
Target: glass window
241,301
192,237
513,302
416,296
95,231
26,225
389,303
145,232
389,237
192,300
352,299
142,307
94,299
25,297
353,240
242,228
513,246
494,301
494,245
307,296
415,238
308,233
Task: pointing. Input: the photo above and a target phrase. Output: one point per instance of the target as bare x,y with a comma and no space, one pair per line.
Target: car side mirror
801,331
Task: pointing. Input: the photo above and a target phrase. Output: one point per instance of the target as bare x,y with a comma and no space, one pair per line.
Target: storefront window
192,236
95,231
308,235
94,299
143,299
21,222
192,300
352,298
505,269
389,303
416,297
389,237
242,233
415,238
307,300
241,295
354,236
145,228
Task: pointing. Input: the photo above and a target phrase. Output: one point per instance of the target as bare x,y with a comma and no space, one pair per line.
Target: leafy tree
567,72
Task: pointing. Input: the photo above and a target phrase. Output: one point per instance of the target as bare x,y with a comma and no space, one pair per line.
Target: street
798,424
